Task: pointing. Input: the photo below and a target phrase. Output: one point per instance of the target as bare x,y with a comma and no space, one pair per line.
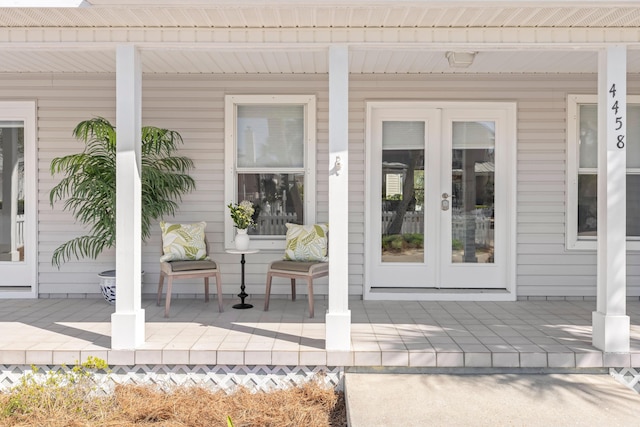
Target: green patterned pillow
183,241
306,242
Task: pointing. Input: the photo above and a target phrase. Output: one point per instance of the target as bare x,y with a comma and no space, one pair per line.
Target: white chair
307,270
189,270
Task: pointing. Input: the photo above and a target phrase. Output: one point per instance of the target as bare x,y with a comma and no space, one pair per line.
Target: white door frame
508,293
477,275
414,274
24,274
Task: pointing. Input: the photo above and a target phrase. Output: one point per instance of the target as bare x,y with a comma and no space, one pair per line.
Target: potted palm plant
88,187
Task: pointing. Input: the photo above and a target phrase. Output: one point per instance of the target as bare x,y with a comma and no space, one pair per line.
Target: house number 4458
618,115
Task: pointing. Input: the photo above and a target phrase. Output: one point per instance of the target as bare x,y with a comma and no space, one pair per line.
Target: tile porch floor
523,334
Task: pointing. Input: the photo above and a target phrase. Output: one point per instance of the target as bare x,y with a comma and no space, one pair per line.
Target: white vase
242,239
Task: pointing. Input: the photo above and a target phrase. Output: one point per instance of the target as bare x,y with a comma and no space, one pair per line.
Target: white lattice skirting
213,377
627,376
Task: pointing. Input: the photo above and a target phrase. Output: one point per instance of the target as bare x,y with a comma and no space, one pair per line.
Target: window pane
633,136
278,199
633,205
587,205
11,191
270,136
588,136
587,183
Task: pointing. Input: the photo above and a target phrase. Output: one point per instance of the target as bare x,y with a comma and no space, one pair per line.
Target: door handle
444,204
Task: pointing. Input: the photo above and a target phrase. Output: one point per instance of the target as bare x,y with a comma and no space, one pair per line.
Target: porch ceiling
362,61
81,39
330,14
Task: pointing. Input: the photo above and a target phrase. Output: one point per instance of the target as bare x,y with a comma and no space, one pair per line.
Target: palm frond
79,247
88,187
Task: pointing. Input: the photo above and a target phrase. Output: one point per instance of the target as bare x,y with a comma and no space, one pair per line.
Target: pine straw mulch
310,405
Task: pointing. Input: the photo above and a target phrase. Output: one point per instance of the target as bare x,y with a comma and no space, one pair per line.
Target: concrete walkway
489,400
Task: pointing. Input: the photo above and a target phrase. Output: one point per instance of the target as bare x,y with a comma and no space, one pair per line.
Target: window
270,161
583,173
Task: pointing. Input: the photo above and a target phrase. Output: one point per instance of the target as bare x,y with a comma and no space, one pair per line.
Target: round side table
242,305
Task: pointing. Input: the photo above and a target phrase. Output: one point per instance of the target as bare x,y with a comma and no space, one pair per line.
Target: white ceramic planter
108,285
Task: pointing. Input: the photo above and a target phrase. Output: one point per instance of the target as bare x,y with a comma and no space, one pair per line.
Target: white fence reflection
483,229
19,230
274,224
413,222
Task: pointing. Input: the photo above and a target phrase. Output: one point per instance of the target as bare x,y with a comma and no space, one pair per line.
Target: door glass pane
403,187
472,193
12,194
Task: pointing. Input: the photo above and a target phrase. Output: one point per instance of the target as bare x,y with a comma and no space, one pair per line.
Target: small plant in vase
242,216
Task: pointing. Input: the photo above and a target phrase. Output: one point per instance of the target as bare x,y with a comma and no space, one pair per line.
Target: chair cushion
177,266
306,242
295,266
183,241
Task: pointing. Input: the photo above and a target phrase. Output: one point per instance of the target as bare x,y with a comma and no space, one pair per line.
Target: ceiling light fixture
460,59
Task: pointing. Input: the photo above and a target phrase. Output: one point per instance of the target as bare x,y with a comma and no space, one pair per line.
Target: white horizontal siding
194,106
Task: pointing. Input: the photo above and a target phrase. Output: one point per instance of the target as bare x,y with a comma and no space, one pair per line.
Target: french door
439,195
18,201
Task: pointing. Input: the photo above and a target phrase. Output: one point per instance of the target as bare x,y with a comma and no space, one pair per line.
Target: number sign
617,114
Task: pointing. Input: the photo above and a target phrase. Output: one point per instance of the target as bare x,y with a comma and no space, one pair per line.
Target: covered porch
367,333
540,335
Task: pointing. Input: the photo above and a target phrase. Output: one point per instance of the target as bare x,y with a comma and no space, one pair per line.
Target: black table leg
242,293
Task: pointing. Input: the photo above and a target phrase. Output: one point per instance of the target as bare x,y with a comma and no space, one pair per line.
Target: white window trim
231,101
573,158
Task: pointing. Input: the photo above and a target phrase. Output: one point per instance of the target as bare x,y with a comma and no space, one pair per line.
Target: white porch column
127,323
338,319
611,326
